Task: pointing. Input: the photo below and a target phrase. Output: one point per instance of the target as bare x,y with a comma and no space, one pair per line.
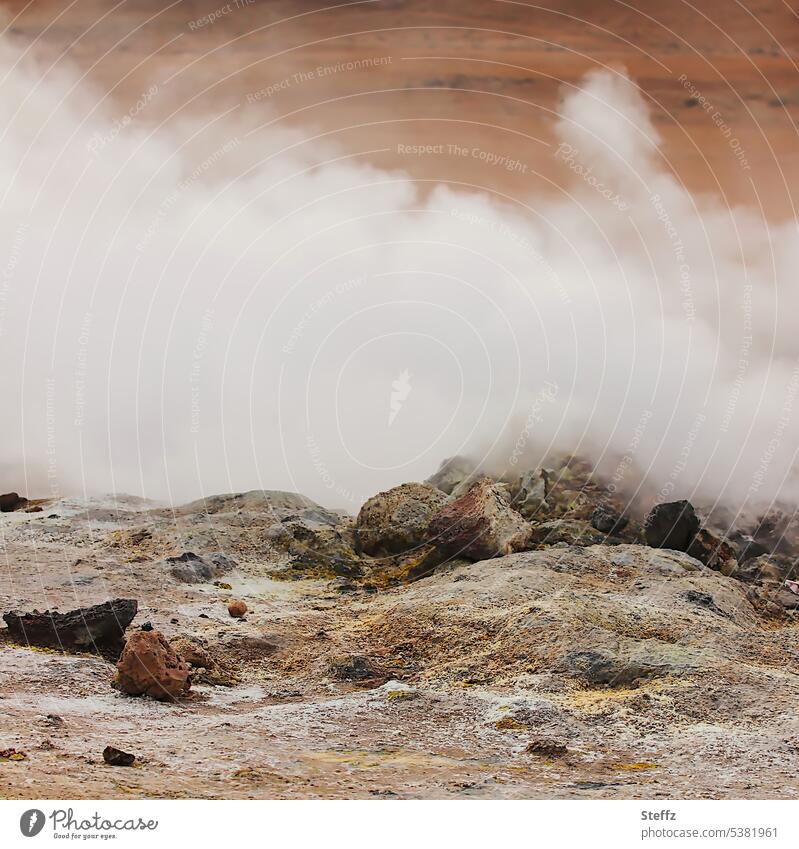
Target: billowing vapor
197,307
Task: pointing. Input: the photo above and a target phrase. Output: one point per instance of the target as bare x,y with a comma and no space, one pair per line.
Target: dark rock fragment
11,501
98,628
672,524
116,757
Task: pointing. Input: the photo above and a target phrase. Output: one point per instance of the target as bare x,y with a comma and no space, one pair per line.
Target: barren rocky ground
564,670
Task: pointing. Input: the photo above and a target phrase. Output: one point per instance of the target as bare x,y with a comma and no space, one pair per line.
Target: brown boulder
237,608
149,666
479,525
395,521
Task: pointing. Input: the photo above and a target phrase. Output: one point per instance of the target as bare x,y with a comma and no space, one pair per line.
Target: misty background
204,304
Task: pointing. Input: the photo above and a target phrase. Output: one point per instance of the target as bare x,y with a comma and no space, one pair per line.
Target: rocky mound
601,616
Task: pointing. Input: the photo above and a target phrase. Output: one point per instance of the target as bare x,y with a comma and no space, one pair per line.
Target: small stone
116,757
237,608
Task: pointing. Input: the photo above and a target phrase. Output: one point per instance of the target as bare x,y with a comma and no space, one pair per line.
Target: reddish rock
714,551
479,525
237,608
149,666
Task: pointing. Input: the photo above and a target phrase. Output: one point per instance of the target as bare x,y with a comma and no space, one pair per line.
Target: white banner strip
382,824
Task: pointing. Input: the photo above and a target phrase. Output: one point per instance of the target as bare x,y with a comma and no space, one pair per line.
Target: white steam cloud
198,308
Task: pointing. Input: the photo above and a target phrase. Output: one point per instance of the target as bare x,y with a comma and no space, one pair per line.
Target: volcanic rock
11,501
395,521
451,473
150,666
98,628
275,502
672,524
116,757
479,525
750,548
713,550
191,568
546,748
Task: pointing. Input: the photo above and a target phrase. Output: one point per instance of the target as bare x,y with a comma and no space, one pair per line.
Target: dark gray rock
672,525
116,757
608,521
99,628
191,568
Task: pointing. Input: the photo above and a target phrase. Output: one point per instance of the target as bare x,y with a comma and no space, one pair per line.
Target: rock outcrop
608,521
478,525
395,521
99,628
149,666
